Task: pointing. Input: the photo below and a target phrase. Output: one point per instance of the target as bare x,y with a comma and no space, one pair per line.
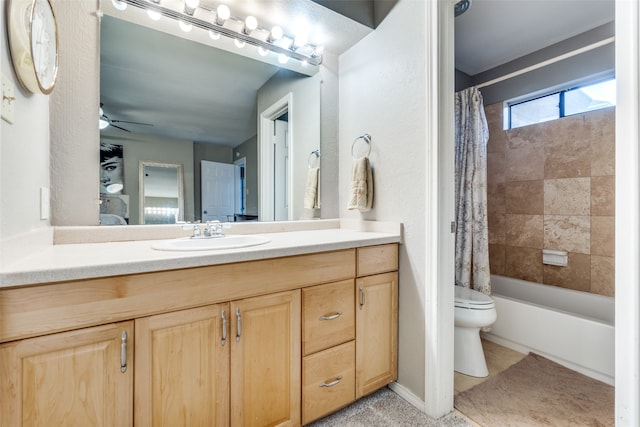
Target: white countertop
62,262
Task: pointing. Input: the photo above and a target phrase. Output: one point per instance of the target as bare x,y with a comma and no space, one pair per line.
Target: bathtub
575,329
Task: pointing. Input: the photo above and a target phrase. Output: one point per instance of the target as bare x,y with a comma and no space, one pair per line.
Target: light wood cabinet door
376,332
182,368
71,378
265,360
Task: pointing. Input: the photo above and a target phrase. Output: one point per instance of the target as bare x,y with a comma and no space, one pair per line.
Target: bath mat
538,392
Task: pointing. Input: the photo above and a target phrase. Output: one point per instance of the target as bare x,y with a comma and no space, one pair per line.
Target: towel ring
367,138
317,153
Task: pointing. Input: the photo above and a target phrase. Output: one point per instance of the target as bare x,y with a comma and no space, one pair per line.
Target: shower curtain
472,237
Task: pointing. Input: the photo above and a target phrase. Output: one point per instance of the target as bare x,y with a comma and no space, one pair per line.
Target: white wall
24,158
383,90
305,115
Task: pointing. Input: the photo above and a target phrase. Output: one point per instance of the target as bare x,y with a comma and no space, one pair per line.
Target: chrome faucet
208,230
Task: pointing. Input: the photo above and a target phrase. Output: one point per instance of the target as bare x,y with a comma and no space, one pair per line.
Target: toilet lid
468,298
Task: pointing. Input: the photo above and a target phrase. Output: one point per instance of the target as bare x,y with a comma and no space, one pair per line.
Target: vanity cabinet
376,318
182,368
220,364
278,342
83,377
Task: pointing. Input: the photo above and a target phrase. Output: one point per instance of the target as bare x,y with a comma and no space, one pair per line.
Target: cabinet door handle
361,297
123,352
331,316
332,383
239,325
224,327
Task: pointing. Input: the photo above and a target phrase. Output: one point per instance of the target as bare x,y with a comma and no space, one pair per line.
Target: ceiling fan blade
118,127
133,123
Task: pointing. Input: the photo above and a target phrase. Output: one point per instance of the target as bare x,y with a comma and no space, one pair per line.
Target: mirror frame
141,175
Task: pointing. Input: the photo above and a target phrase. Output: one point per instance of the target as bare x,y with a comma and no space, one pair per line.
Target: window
564,103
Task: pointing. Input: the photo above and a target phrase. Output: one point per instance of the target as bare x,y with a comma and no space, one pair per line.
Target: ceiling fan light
102,123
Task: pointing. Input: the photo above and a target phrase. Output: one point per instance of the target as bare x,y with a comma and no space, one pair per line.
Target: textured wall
383,93
551,185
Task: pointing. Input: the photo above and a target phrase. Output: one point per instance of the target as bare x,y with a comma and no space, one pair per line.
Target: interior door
218,201
281,170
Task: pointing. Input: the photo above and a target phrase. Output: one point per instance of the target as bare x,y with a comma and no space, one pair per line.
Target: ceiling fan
104,122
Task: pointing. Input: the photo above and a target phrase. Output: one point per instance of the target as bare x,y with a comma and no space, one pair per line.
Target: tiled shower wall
551,186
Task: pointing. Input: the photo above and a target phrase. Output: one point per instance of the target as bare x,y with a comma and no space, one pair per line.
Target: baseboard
407,395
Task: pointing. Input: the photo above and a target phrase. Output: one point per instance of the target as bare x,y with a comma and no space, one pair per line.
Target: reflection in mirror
165,96
161,193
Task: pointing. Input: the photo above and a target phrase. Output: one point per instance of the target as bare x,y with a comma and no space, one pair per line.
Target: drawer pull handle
123,352
238,325
331,316
224,327
361,297
332,383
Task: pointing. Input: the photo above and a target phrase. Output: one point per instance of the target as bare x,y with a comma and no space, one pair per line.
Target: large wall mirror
171,97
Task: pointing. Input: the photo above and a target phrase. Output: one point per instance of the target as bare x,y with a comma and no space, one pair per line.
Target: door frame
266,157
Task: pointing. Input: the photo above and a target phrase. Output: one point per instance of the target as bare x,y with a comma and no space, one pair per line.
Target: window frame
561,101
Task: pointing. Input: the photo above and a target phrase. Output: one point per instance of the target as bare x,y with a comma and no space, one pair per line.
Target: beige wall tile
496,164
602,275
567,233
496,197
570,196
523,263
526,137
567,148
496,224
497,135
524,197
603,195
497,259
603,141
524,163
576,275
524,231
603,235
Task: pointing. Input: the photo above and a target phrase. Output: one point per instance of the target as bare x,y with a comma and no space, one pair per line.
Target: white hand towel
361,191
311,197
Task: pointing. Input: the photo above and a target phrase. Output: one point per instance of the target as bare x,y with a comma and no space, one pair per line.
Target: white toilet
473,311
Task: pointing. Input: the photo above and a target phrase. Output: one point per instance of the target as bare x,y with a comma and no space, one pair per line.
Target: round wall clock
33,42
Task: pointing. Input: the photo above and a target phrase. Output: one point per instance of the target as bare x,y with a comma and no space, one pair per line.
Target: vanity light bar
298,54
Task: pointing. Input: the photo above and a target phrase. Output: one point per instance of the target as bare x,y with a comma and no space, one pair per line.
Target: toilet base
468,353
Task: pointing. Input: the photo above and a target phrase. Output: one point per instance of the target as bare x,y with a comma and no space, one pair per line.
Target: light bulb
262,51
276,34
300,40
283,59
185,26
154,14
250,24
214,35
102,123
239,43
222,14
190,6
119,4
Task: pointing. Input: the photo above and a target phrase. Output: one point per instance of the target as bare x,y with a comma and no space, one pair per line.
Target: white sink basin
216,243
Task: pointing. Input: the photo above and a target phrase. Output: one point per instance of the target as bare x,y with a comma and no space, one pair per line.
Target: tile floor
498,359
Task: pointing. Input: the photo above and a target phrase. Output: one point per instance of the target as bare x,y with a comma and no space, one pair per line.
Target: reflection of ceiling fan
104,121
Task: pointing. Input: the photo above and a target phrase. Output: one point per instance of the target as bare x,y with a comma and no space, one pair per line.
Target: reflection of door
217,191
281,170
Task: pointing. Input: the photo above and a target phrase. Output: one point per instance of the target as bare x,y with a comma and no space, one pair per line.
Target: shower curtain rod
548,62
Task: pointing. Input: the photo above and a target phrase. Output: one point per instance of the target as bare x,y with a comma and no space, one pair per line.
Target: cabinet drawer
328,380
377,259
328,315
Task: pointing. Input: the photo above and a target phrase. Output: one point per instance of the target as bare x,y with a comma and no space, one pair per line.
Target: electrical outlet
8,98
